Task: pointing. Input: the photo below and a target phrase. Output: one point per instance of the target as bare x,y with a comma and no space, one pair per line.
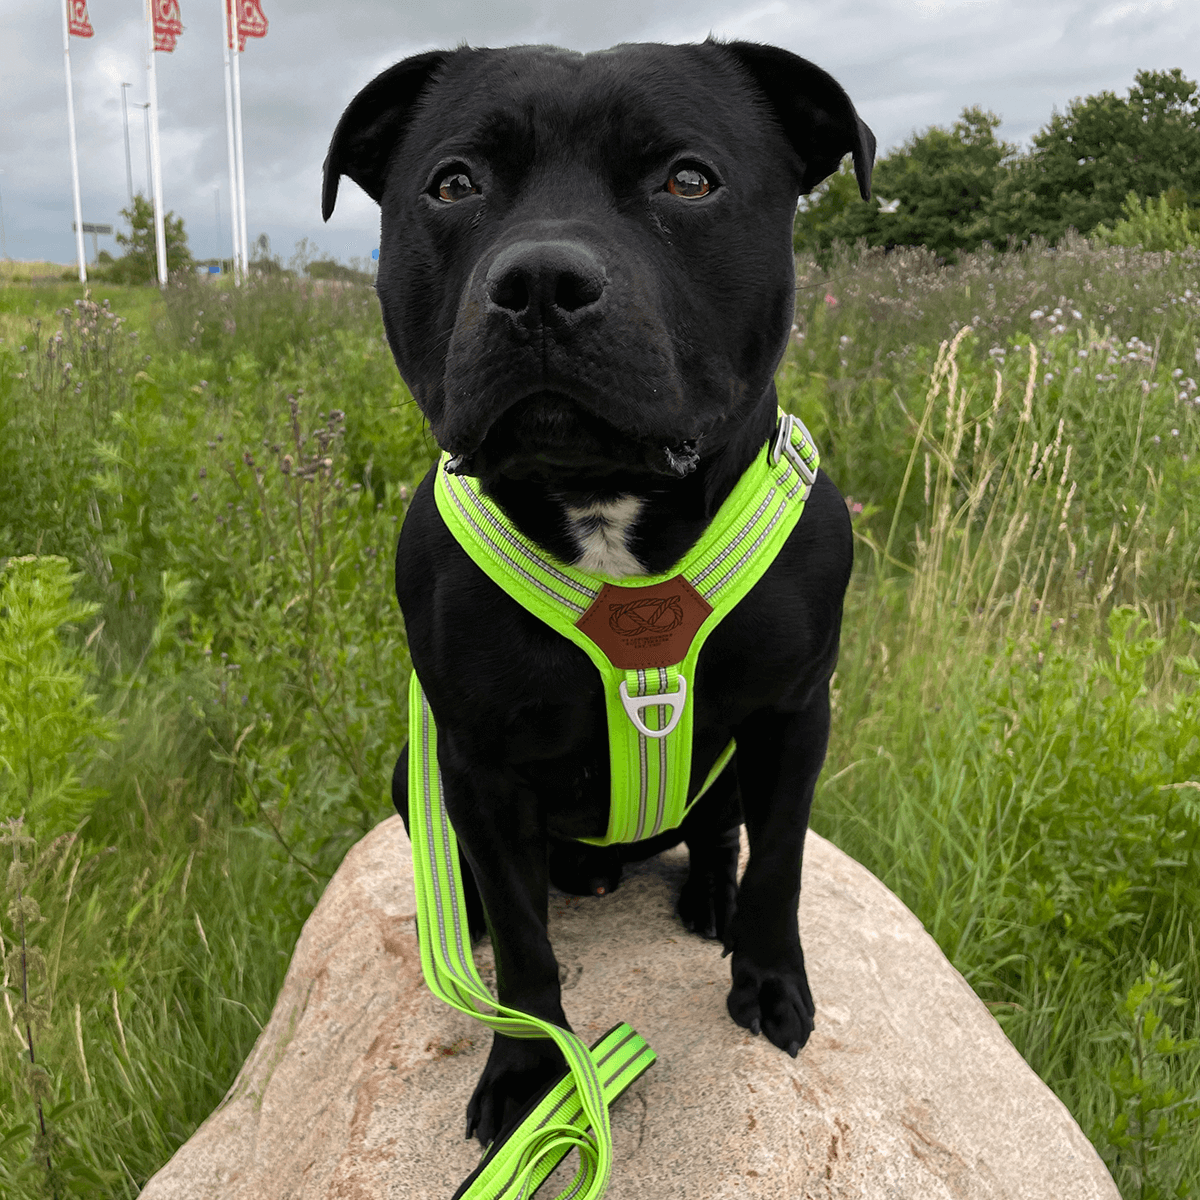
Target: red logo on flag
168,24
250,21
77,19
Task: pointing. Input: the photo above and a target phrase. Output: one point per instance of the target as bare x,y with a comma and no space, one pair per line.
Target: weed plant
197,611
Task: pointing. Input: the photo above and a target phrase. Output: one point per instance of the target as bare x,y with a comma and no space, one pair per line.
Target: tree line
1124,169
139,262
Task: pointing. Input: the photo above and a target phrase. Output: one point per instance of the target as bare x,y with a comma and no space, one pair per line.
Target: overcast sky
907,64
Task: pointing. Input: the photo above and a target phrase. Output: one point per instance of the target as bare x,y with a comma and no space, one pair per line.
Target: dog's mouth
549,437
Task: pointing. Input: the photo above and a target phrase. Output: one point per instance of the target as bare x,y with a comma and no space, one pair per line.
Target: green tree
823,210
139,263
935,190
1087,160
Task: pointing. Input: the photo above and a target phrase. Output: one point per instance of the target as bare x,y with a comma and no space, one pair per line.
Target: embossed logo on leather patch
645,626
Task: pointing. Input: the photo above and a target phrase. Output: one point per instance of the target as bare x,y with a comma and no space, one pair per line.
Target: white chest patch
601,531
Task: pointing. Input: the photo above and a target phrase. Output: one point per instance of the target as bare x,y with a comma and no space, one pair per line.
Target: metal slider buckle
636,705
783,438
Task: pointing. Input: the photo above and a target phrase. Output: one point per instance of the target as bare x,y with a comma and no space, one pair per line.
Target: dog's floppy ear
813,109
372,124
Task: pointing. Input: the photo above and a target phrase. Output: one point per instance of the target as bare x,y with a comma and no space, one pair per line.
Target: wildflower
1036,315
831,300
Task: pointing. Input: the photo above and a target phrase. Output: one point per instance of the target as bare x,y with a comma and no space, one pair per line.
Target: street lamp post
128,160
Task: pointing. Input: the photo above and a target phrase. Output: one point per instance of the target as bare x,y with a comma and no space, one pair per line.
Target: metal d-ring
636,705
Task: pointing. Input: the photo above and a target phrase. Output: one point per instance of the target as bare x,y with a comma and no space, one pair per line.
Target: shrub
1163,224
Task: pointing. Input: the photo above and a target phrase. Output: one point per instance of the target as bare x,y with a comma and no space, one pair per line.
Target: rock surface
357,1088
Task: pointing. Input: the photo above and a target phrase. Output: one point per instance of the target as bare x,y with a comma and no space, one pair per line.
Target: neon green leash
574,1115
644,636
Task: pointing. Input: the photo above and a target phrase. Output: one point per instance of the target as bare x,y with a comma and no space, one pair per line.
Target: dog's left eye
689,184
456,186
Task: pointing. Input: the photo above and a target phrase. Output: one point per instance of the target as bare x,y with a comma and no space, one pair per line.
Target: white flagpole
239,265
160,237
241,156
79,254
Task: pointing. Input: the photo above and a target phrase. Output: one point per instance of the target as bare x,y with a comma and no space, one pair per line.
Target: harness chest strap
644,635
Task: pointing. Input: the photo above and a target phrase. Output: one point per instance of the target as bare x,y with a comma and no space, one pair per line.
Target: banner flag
251,23
168,24
77,19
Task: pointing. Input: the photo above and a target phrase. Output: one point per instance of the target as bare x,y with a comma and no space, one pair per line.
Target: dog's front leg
502,831
779,757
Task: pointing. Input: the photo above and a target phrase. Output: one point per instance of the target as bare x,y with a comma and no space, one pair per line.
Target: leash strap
574,1113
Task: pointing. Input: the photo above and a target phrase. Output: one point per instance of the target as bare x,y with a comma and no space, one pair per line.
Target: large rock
357,1088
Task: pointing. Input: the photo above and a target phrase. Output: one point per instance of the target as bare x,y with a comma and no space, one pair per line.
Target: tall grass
206,514
1016,746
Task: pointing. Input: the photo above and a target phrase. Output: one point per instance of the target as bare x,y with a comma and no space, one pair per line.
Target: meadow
202,669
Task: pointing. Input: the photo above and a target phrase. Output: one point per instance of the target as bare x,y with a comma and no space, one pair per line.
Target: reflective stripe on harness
644,636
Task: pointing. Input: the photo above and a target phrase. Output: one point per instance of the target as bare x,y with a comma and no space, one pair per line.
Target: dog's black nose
544,282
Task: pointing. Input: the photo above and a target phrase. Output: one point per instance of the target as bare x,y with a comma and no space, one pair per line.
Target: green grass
202,670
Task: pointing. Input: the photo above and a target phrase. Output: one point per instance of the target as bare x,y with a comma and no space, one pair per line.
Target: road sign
94,229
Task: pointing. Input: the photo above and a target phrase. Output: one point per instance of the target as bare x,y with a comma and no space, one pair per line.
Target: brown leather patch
645,626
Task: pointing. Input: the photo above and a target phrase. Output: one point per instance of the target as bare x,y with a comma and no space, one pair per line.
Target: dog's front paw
774,1001
517,1072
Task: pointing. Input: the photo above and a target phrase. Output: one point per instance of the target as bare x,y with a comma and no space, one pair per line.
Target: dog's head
586,260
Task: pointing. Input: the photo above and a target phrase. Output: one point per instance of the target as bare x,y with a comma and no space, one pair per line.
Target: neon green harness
644,636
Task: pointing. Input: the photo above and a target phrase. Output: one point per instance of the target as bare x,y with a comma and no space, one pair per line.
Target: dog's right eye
456,186
688,183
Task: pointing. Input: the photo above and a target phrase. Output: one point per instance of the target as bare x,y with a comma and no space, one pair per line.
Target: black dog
587,281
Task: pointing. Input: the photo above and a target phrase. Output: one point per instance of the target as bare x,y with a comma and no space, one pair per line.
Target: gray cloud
907,64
